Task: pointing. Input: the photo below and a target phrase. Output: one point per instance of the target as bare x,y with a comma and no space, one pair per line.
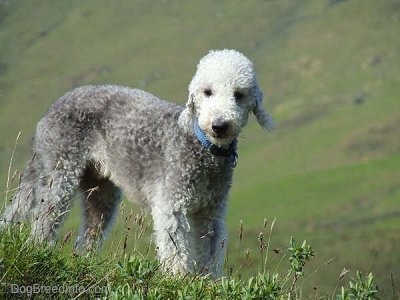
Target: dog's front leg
173,239
189,243
209,243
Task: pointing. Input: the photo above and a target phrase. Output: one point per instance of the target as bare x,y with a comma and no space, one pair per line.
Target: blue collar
230,152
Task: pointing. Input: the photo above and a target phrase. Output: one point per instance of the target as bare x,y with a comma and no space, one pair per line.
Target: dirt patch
306,117
375,140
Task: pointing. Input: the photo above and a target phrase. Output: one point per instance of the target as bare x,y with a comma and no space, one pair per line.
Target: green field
330,71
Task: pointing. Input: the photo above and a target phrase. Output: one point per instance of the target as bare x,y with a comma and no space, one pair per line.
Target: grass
36,270
330,73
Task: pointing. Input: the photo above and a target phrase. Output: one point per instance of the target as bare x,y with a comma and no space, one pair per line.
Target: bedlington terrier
177,161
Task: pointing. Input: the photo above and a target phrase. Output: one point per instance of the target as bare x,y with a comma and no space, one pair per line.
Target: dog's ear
263,118
188,115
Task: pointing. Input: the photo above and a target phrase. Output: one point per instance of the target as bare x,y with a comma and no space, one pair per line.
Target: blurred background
330,72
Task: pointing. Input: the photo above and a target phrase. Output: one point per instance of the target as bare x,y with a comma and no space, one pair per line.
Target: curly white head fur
222,93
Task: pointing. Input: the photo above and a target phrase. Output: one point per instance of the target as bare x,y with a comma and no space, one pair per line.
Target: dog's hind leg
19,207
100,199
53,191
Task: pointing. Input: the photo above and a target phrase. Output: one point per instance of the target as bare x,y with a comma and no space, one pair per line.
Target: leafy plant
360,288
139,269
299,255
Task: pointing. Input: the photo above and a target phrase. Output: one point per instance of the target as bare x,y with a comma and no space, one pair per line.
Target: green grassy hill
330,71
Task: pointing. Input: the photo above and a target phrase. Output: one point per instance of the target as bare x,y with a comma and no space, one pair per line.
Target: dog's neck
229,152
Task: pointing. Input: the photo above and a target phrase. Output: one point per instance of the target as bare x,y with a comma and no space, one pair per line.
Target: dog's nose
219,127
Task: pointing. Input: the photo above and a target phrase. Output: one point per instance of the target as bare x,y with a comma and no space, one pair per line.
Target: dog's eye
238,95
208,92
